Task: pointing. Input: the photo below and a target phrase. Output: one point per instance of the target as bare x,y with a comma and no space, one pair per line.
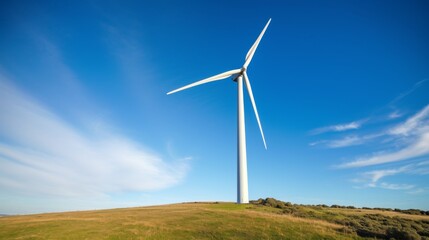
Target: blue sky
85,122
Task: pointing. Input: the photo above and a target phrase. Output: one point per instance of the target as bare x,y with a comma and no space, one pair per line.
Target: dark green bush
270,202
402,234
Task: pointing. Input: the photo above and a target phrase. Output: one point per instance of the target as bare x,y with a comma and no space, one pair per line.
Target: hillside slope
376,223
177,221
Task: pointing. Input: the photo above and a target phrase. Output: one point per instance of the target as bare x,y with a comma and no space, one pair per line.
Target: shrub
280,205
270,202
403,234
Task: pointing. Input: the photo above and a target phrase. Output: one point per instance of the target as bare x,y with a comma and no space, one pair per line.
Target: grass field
182,221
178,221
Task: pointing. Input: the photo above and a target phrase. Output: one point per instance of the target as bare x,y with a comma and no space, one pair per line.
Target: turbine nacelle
235,76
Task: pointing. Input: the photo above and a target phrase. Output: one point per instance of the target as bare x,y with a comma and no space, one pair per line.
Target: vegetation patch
368,224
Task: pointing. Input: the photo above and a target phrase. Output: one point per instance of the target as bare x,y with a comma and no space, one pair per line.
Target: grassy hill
260,220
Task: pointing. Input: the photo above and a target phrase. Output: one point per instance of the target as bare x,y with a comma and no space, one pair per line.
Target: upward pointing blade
252,50
210,79
249,89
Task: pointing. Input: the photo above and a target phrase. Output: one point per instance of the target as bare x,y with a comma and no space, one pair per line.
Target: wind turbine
237,76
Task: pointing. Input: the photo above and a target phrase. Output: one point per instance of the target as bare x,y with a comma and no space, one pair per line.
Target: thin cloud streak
338,128
408,92
347,141
40,153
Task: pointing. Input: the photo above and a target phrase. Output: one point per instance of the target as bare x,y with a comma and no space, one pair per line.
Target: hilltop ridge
261,219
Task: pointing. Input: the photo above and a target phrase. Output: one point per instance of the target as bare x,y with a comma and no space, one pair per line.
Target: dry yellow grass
177,221
385,213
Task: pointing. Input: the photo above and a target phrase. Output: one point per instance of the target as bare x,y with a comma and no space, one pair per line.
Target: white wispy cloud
376,175
372,178
394,115
338,128
344,142
412,125
419,148
414,132
408,140
407,128
41,153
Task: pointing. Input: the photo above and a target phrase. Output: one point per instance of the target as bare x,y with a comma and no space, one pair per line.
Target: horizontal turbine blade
206,80
252,50
249,89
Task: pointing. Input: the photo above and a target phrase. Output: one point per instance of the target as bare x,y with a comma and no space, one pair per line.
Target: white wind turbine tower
238,75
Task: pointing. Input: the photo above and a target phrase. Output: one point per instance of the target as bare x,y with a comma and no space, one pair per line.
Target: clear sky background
342,89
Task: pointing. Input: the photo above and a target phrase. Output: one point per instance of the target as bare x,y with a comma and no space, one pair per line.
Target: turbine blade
206,80
249,89
252,50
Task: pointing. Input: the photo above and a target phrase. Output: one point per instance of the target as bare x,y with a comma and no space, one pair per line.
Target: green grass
177,221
